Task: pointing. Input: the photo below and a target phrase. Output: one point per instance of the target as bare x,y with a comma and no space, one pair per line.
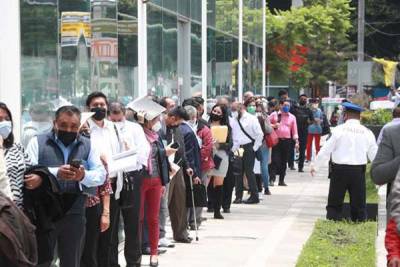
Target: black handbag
200,196
126,196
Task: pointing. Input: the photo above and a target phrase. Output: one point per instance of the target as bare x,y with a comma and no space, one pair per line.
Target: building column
204,49
142,48
10,60
264,49
240,56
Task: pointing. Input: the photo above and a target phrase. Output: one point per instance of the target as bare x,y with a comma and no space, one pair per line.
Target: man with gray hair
192,145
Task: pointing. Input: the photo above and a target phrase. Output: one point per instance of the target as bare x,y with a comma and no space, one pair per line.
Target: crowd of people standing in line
63,178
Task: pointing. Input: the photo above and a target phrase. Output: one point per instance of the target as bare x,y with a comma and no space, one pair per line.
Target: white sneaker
165,243
260,196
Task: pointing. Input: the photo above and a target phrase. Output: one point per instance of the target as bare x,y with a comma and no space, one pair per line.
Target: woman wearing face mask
265,151
156,175
314,129
16,159
285,126
221,152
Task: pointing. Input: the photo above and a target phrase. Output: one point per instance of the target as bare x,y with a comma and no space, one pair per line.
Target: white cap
146,108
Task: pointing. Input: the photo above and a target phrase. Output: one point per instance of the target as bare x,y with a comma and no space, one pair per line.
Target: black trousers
69,235
108,246
229,184
249,157
89,256
279,159
291,154
302,149
343,178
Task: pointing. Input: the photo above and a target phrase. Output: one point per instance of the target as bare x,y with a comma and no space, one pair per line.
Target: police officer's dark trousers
343,178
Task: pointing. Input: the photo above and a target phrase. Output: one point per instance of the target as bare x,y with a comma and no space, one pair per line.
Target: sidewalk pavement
271,233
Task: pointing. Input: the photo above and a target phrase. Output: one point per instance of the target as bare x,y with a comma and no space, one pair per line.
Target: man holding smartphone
170,133
57,150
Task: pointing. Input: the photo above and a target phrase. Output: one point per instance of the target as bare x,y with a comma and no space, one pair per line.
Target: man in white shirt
249,136
132,137
105,137
350,147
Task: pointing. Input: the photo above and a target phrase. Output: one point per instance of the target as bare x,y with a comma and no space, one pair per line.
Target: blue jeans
264,165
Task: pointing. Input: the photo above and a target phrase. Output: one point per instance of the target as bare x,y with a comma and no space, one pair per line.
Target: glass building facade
69,48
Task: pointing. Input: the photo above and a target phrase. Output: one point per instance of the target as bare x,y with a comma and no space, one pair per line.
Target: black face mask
303,102
66,138
215,117
100,113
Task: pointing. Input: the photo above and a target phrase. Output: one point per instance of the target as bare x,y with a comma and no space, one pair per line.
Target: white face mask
42,126
5,129
120,124
156,127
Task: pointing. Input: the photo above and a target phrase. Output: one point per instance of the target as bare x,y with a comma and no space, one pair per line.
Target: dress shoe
237,201
267,192
282,184
218,216
186,240
210,210
227,210
252,200
301,170
292,168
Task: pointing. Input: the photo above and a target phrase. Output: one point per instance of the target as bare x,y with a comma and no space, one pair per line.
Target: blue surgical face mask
5,129
286,109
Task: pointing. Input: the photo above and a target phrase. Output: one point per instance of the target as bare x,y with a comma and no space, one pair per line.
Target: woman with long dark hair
17,160
221,152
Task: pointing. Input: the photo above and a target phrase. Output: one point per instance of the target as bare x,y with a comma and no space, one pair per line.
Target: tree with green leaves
320,26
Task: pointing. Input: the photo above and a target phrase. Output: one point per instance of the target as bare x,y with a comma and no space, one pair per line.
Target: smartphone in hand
76,163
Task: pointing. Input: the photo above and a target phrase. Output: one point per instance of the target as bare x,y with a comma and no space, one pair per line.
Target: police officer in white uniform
350,147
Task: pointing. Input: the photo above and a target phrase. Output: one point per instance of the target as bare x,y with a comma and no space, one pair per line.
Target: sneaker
165,243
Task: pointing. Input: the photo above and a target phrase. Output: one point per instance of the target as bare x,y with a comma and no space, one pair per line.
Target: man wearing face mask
249,136
105,136
132,137
203,133
192,144
350,147
285,126
170,133
40,124
59,150
303,118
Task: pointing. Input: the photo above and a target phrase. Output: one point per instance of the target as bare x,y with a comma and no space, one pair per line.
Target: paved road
269,234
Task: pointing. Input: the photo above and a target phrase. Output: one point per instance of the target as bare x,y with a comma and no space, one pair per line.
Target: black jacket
44,206
192,149
304,116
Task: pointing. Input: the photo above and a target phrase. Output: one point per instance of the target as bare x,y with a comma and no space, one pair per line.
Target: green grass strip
340,244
